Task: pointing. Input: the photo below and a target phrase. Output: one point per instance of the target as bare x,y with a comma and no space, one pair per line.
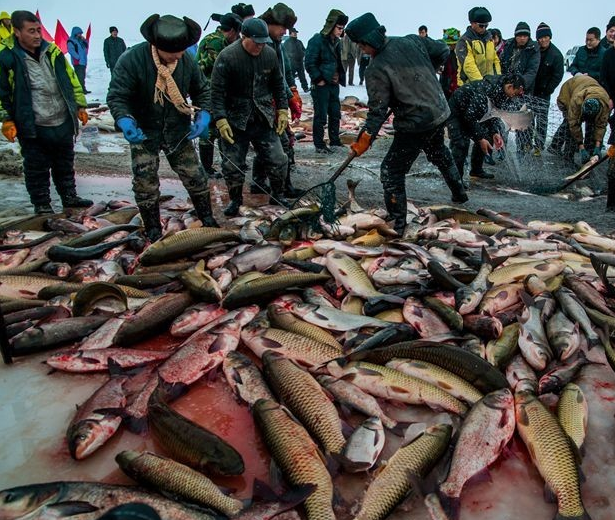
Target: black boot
476,164
455,184
460,169
150,215
65,185
396,204
259,185
43,209
206,154
202,206
236,200
277,194
289,190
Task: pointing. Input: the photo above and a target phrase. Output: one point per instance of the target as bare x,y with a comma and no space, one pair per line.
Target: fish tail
451,505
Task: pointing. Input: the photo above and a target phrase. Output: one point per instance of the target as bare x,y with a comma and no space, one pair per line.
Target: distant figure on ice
162,121
113,48
295,51
423,31
6,30
78,49
44,101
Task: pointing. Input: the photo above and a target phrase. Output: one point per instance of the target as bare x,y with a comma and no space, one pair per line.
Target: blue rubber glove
597,151
132,133
584,156
200,127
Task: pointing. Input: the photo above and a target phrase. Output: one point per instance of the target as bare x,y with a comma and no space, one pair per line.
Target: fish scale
306,400
403,469
298,457
551,453
572,413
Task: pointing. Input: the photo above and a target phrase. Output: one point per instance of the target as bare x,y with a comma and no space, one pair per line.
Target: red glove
82,115
9,130
295,104
611,151
363,142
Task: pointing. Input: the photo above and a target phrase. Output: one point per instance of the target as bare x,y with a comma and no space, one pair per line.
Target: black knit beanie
543,30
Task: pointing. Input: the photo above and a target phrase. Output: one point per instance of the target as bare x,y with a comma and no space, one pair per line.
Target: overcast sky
568,20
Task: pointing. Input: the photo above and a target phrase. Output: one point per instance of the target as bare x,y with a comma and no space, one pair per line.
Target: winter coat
349,49
402,77
295,51
112,50
470,103
476,57
245,87
587,62
285,68
209,48
607,72
606,44
521,60
131,93
15,90
323,59
550,72
570,101
448,76
77,48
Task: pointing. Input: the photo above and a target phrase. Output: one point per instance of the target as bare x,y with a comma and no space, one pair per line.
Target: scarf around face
167,88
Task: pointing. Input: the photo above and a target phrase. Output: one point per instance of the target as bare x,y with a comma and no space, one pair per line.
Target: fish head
499,399
21,501
85,437
466,300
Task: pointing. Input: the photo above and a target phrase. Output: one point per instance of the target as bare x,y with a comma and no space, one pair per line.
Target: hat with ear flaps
451,36
279,14
335,17
366,29
169,33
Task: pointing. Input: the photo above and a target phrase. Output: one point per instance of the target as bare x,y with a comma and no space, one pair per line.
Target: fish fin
276,478
549,495
392,298
136,425
527,300
347,429
413,432
450,505
72,507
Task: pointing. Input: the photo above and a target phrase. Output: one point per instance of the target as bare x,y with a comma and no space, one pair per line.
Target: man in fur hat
323,62
164,121
402,76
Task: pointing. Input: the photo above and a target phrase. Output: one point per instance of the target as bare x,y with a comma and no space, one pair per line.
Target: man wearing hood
476,58
146,99
78,49
44,102
323,62
6,28
402,76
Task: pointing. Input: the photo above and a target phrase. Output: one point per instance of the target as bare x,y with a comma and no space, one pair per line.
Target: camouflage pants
268,148
145,164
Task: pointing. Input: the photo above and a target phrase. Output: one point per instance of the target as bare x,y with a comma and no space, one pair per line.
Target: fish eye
8,498
82,437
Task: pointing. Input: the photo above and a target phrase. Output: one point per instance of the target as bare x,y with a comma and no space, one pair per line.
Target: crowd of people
239,89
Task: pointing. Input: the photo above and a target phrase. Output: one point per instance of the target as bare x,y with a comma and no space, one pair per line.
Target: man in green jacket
323,62
44,102
227,32
402,76
146,98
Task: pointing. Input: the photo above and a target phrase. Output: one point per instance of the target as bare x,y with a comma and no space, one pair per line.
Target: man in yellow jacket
476,58
6,30
582,100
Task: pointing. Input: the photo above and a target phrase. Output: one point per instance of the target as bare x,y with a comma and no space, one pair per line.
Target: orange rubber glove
82,115
610,152
295,104
9,130
363,142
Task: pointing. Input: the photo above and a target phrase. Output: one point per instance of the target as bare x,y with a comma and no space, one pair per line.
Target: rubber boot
289,190
236,199
455,184
206,154
476,164
43,209
396,204
277,194
460,169
259,185
202,206
150,215
65,185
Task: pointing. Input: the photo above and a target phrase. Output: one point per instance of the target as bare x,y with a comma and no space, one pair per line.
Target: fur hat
279,14
335,17
230,21
243,10
479,15
366,29
543,30
169,33
522,29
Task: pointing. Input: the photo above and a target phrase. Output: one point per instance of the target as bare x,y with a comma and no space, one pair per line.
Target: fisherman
6,29
295,51
226,33
44,102
246,84
323,62
162,121
448,74
279,19
581,100
418,104
244,11
113,48
469,105
77,47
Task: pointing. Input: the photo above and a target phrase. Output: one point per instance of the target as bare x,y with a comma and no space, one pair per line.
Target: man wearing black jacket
402,77
469,104
550,73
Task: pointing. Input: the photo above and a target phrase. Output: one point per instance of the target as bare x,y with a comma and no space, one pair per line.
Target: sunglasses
483,25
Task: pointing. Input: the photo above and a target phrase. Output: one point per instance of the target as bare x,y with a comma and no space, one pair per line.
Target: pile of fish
479,322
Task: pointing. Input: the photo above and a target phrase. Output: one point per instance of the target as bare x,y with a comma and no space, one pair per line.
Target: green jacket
15,90
208,51
131,93
588,62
